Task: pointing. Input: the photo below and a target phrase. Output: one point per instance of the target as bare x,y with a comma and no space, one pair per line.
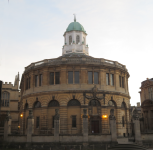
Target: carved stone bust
111,116
85,113
57,116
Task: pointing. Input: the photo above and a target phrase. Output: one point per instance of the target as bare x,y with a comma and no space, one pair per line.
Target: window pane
53,122
96,78
52,78
112,79
90,79
57,78
70,40
29,82
70,77
122,82
37,122
40,79
36,80
107,78
73,121
76,75
77,39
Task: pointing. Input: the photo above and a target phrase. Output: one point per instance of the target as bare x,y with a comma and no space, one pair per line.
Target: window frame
55,77
107,79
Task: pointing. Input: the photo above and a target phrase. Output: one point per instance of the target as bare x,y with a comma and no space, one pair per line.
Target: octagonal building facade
71,83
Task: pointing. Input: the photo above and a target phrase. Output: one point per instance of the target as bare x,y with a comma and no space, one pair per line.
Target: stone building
10,99
72,83
146,95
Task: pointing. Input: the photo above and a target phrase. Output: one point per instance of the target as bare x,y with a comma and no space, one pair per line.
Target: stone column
112,122
30,127
7,126
137,127
56,126
85,126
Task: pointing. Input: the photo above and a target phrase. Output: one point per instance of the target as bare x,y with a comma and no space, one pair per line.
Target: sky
118,30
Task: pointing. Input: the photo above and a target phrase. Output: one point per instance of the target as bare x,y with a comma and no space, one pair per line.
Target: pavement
125,141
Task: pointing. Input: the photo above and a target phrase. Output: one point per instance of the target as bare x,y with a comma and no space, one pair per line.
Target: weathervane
74,17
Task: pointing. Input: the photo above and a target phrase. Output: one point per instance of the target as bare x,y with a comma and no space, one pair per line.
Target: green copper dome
75,26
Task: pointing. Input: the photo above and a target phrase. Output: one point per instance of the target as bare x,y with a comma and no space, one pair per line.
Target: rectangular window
40,80
37,122
53,122
70,77
112,79
107,78
123,121
36,80
29,82
96,78
57,78
52,78
120,82
90,79
76,77
73,121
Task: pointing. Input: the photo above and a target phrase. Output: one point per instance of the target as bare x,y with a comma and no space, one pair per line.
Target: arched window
26,106
77,39
74,102
37,104
111,103
70,40
5,99
123,105
94,102
53,103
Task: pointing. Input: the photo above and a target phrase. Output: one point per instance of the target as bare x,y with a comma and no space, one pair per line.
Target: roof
75,26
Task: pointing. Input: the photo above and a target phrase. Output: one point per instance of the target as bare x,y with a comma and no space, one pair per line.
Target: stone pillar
112,122
137,127
56,126
30,127
7,126
85,126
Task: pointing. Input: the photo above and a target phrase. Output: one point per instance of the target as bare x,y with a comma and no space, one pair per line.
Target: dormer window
77,39
70,40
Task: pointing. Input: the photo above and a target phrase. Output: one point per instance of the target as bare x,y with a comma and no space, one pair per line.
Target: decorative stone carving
111,116
57,116
94,93
85,113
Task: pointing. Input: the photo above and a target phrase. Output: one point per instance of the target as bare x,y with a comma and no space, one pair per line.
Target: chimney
138,104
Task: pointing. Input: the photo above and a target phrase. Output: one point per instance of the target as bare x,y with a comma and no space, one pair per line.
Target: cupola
75,39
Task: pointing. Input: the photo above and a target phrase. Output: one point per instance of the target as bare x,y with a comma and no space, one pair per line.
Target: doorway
95,126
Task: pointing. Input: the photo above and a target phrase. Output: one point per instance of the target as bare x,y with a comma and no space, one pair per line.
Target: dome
75,26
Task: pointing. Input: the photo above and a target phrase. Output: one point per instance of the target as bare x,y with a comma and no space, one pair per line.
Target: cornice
74,91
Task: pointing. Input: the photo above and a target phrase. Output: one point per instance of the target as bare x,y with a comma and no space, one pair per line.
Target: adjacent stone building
146,95
72,83
10,104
